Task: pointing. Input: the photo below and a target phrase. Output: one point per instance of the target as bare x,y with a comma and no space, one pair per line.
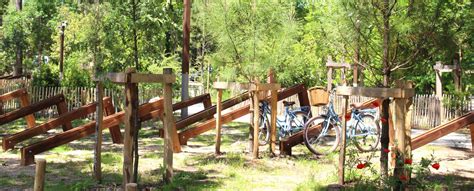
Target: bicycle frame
283,121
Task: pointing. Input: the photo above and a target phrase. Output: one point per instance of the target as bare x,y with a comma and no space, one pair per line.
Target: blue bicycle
290,122
363,130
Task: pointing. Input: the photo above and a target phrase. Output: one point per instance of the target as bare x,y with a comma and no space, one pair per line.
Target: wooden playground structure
178,132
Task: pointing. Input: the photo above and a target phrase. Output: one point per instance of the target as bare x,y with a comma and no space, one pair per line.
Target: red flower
403,178
435,166
376,104
383,120
361,166
408,161
386,150
348,117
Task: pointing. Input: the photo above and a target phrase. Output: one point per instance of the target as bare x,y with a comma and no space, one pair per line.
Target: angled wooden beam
22,95
141,78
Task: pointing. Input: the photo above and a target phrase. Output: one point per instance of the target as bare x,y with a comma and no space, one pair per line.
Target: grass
197,168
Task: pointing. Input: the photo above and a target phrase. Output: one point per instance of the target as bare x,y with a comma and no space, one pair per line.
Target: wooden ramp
444,129
210,124
297,138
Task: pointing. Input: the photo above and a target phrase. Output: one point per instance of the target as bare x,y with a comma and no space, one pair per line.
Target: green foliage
46,75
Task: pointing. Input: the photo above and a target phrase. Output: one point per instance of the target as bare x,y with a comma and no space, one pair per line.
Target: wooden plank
442,130
153,78
264,87
329,79
400,110
230,85
62,109
115,133
273,116
10,141
99,116
185,135
171,143
471,128
35,107
39,174
25,101
375,92
117,77
342,152
218,122
12,95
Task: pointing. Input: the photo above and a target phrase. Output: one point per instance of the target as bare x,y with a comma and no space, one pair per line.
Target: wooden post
39,174
218,121
131,93
25,101
169,125
256,118
131,187
401,132
99,115
342,153
457,73
343,76
329,75
439,93
273,106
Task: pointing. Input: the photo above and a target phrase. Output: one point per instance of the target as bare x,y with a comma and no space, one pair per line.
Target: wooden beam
115,133
185,135
13,95
62,109
30,119
131,118
153,78
256,120
218,122
39,174
230,85
99,116
375,92
442,130
342,152
22,95
10,141
22,112
171,142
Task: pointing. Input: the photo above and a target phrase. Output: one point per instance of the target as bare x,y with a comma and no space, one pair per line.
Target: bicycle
363,130
290,122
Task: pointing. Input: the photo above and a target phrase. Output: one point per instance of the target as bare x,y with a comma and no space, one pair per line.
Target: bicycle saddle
288,103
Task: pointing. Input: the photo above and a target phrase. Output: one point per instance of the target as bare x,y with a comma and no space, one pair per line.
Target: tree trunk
384,141
18,67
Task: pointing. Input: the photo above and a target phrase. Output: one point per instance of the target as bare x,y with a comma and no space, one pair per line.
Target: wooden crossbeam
12,95
246,86
24,111
10,141
442,130
141,78
375,92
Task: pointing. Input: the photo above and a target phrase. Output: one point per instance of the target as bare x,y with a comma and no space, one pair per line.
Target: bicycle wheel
264,131
367,134
321,140
297,123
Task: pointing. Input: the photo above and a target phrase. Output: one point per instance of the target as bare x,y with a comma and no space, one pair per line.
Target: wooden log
342,152
39,174
442,130
13,95
131,102
10,141
375,92
471,127
218,122
99,116
171,143
329,79
115,130
400,110
273,117
35,107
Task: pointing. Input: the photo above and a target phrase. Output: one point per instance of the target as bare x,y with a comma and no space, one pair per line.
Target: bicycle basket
318,96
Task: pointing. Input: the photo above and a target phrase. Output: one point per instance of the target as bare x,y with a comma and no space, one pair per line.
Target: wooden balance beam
22,95
297,138
444,129
201,128
57,100
10,141
146,112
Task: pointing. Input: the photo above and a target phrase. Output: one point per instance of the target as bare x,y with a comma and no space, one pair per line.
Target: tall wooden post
471,127
185,61
342,153
329,75
131,107
61,50
218,121
170,129
99,115
39,174
256,118
457,72
273,106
